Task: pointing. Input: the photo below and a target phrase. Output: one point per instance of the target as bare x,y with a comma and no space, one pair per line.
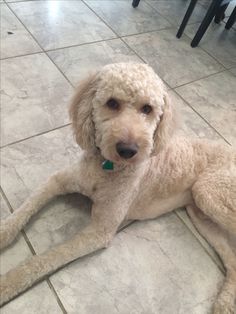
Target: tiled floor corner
167,55
77,62
160,266
173,10
214,104
16,39
218,42
129,22
44,20
39,98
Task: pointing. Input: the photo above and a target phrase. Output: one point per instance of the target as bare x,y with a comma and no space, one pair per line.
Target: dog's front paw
7,287
3,291
223,307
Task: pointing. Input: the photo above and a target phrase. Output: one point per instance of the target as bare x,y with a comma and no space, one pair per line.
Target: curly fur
167,172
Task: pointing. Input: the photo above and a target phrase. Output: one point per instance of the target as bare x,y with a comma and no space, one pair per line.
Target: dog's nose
126,151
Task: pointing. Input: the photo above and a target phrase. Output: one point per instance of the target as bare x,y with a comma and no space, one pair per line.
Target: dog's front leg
37,267
58,184
105,222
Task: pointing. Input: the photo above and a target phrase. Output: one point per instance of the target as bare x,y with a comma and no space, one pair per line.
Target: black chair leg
135,3
220,14
231,19
215,4
186,18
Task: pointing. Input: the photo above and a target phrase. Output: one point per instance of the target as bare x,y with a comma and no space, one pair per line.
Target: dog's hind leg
215,194
225,245
58,184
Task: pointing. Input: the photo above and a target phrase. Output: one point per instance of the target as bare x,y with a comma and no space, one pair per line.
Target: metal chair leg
220,14
186,18
231,20
135,3
215,4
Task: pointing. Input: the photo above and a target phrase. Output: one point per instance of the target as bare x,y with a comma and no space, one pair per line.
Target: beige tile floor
154,267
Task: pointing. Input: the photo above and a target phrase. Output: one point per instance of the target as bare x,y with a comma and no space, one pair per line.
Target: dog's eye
113,104
146,109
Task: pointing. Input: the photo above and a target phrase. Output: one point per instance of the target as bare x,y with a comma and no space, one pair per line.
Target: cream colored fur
167,172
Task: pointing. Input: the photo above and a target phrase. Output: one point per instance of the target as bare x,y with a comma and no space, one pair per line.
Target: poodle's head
124,111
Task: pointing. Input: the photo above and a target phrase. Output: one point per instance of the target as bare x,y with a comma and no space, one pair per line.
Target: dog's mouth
125,161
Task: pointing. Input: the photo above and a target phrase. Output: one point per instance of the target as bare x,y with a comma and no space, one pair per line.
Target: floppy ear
81,113
165,128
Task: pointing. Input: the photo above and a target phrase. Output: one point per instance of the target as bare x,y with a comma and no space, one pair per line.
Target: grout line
200,78
22,231
205,120
141,58
13,12
56,296
100,18
60,48
173,25
213,57
63,74
24,55
77,45
204,49
222,270
147,32
40,45
119,36
6,200
35,135
28,242
82,44
65,46
122,37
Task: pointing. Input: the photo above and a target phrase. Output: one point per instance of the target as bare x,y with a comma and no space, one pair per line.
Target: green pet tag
107,165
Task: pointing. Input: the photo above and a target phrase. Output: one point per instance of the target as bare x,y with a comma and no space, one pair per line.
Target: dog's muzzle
125,150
